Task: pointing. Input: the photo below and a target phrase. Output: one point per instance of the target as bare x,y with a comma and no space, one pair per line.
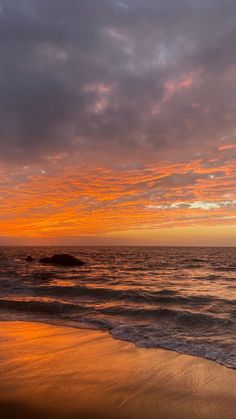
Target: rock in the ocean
29,259
63,260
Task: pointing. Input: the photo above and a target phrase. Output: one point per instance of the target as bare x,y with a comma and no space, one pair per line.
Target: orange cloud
72,202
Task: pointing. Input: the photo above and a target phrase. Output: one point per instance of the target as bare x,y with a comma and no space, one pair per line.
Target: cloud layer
100,201
116,115
116,80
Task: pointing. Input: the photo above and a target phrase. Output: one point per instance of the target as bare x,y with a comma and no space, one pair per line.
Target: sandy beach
62,372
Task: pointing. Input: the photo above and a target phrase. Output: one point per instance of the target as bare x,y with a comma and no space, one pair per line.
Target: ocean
178,298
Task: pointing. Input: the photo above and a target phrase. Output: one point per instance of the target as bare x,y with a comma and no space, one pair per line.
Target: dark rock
62,260
29,259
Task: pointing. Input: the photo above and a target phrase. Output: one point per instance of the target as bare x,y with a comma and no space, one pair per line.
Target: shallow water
175,298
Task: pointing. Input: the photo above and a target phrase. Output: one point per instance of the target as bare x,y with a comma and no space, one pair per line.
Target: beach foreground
62,372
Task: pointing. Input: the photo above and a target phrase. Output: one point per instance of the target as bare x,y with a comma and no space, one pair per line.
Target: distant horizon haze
190,237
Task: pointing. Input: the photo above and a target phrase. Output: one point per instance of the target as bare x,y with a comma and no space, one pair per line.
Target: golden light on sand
94,376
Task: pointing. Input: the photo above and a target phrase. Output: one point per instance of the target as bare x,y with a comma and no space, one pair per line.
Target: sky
117,122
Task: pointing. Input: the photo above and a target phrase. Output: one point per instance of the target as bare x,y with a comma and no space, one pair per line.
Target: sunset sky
118,122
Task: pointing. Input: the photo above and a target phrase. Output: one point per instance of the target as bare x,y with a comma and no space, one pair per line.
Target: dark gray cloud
125,79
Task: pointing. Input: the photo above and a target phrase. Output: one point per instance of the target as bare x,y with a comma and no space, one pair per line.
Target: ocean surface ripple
176,298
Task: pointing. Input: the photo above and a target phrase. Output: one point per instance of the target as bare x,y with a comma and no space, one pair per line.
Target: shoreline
59,372
109,333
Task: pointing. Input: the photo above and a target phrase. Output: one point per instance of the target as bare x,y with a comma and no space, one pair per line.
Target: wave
183,318
225,268
208,277
52,307
163,296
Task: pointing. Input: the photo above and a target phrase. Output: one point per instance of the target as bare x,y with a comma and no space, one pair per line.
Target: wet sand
61,372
